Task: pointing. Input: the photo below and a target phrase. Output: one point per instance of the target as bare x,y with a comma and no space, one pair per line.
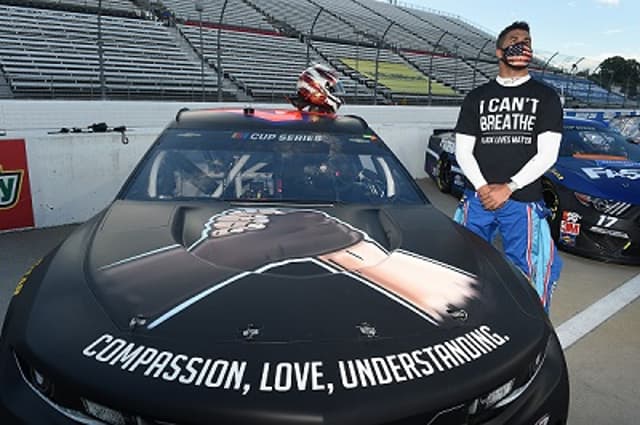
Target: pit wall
72,176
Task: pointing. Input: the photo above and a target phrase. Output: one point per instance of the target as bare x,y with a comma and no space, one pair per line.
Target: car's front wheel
444,176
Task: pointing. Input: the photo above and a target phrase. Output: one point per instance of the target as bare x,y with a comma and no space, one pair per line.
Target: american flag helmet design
517,55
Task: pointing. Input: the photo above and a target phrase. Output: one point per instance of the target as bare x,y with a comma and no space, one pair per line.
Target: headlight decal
502,398
69,413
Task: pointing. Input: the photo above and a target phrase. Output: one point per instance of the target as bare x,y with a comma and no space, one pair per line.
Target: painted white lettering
283,377
479,338
264,386
216,374
457,352
316,376
175,367
235,375
110,350
468,347
145,358
347,377
365,372
445,356
497,339
193,372
427,368
429,351
408,365
90,351
159,363
381,370
203,372
128,355
395,368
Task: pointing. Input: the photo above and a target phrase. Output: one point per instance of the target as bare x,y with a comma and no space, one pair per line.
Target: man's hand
483,191
494,196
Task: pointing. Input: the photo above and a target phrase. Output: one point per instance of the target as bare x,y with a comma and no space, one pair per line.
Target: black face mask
517,56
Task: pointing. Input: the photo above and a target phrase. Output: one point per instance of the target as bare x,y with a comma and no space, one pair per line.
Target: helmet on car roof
319,87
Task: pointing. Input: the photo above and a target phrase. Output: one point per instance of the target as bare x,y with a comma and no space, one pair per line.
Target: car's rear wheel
552,201
444,176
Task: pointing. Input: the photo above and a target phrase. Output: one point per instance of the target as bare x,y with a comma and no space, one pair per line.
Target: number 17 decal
606,221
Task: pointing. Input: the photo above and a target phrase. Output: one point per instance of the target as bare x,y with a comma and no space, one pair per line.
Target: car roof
259,118
584,122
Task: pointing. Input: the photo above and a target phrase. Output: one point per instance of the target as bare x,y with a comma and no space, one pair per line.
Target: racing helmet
320,87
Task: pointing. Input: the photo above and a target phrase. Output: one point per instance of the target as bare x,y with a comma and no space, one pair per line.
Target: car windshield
628,126
584,141
271,166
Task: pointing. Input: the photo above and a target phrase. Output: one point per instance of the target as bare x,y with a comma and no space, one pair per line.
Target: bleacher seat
151,49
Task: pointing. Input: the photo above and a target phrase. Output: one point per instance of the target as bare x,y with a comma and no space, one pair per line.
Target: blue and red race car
593,190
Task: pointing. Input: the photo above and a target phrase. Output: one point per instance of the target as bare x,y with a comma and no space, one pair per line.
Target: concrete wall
73,176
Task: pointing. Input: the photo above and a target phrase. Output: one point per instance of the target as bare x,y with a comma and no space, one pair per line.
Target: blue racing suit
525,234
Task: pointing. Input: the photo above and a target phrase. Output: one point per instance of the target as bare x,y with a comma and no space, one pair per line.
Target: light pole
574,71
626,91
475,68
219,54
310,34
435,47
455,69
592,73
357,64
103,88
200,8
548,61
379,43
610,72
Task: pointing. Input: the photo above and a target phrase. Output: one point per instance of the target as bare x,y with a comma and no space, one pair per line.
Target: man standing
507,136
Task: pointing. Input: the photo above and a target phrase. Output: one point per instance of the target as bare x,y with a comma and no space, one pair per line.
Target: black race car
593,190
276,267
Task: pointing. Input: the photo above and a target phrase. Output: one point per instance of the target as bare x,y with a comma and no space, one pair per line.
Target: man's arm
548,147
467,162
431,287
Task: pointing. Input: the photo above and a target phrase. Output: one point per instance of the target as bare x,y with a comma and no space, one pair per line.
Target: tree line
617,73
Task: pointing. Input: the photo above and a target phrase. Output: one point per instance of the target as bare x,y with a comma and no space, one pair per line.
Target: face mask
517,56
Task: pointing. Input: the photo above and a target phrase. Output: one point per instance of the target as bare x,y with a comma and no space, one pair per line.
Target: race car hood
604,178
192,257
178,297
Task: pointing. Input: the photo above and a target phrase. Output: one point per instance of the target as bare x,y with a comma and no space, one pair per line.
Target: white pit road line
597,313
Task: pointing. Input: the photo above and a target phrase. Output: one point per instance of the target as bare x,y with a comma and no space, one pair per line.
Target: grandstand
249,50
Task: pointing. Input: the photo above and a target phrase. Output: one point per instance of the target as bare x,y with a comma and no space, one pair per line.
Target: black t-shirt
506,122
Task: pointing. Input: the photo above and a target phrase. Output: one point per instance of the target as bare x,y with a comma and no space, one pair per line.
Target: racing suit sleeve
548,147
467,162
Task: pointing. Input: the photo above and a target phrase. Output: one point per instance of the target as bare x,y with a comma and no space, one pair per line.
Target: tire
552,201
444,177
